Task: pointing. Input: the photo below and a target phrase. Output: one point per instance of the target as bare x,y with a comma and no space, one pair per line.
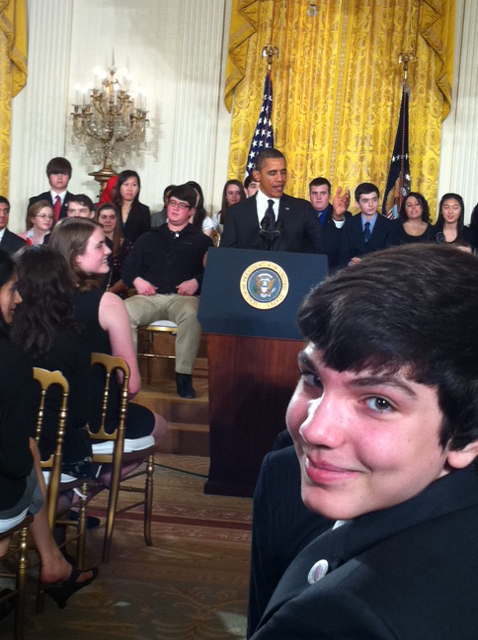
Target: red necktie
57,208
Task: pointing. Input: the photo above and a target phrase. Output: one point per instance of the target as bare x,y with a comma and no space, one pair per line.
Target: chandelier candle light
109,121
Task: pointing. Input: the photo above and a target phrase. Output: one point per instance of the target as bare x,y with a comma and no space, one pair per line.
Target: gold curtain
337,86
13,73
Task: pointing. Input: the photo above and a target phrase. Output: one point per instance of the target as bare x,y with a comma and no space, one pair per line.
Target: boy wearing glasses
166,267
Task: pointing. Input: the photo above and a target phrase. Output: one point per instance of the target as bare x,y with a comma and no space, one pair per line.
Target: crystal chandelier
109,122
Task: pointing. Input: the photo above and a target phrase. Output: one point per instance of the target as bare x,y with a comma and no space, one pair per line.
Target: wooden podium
252,359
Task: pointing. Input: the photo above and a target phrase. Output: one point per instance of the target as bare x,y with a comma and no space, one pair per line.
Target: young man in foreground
385,427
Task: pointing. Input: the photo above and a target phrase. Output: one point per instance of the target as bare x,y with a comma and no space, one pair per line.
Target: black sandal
61,591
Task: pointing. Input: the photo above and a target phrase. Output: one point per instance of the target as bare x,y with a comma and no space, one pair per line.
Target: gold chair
160,326
18,548
115,450
57,482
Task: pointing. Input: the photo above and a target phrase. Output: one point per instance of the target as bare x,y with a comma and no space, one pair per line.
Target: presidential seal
264,285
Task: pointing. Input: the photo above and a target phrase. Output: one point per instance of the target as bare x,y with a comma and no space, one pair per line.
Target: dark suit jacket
331,236
300,230
11,242
384,235
403,573
282,527
47,196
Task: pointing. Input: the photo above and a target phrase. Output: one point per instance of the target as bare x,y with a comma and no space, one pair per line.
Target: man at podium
271,219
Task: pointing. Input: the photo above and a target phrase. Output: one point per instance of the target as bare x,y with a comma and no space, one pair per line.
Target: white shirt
262,202
54,195
2,233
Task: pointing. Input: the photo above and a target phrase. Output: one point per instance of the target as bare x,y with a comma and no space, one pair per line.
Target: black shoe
184,385
91,521
61,591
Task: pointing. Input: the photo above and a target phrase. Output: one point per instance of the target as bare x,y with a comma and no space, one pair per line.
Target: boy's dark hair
265,155
366,188
250,178
184,192
59,165
84,200
412,308
319,182
4,200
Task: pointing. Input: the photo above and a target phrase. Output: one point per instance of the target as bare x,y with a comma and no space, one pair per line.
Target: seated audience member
160,217
368,231
108,217
103,315
414,220
58,171
271,219
39,223
386,435
9,241
22,489
199,217
474,221
80,206
450,225
331,216
233,193
135,216
251,186
166,267
43,326
109,192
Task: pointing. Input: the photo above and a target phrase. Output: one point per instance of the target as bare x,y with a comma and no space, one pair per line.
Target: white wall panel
459,152
38,112
173,49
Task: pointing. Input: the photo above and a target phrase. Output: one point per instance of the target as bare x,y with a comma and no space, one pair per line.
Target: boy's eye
376,403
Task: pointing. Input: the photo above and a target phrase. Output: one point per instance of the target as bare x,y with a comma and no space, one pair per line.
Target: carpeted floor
191,585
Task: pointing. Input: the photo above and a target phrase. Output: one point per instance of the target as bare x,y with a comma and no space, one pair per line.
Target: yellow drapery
13,73
337,86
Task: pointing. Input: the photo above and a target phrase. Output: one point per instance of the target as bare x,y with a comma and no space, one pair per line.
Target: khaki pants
183,310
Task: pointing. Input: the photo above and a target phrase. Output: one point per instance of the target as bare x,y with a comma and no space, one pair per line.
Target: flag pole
263,137
398,181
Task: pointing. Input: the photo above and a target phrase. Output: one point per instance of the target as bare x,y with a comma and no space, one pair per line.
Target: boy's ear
461,458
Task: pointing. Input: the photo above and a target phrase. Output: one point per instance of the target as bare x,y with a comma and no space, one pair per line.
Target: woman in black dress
22,488
43,326
103,315
135,216
414,222
450,226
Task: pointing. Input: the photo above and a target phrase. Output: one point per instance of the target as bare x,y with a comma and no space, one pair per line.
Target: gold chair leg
80,544
148,501
21,585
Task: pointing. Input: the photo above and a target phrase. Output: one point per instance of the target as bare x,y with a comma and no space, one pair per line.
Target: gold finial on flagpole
404,59
270,52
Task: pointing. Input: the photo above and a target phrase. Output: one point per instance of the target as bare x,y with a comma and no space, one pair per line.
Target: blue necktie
366,232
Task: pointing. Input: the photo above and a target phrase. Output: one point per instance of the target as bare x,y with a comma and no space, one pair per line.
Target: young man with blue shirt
368,231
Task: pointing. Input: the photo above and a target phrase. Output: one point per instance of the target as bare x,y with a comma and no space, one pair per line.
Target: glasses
180,205
44,216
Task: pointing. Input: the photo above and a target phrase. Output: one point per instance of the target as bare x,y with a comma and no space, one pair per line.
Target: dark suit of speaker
300,231
353,244
404,573
331,236
47,196
11,243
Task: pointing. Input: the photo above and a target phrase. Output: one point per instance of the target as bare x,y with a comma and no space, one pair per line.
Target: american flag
264,134
398,183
